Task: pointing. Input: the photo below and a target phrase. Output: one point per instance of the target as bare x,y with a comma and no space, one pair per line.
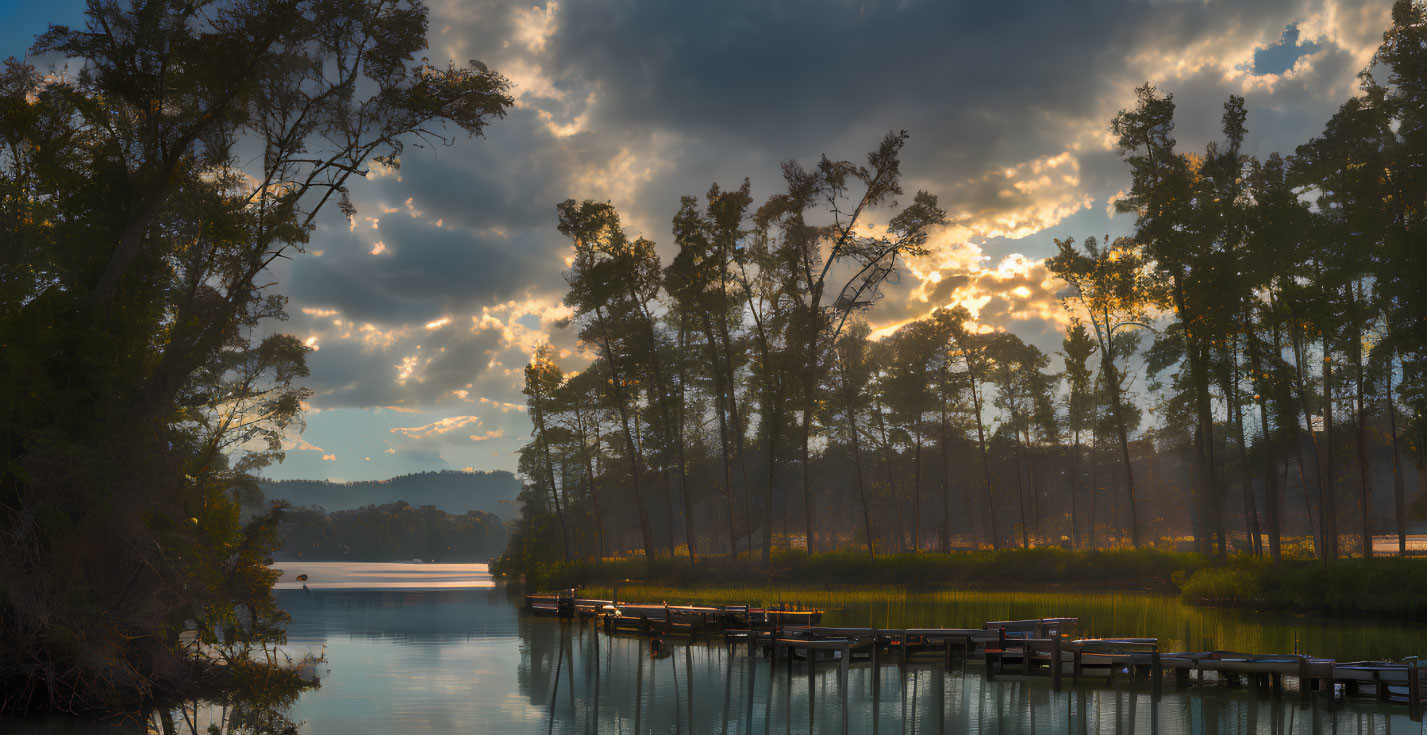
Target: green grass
1122,569
1383,587
1389,586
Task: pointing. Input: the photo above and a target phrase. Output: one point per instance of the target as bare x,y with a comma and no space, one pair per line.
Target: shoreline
1386,588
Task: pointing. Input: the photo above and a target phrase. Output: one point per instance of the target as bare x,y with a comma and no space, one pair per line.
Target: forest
1274,311
389,532
450,490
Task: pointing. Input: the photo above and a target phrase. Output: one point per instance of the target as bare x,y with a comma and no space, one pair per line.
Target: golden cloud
435,428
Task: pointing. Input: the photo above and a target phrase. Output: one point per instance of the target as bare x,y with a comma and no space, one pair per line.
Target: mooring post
947,644
1305,692
903,642
876,659
1055,663
843,674
1075,667
1414,692
1156,674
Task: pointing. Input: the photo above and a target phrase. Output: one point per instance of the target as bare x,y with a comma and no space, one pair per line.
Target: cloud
492,434
433,297
437,427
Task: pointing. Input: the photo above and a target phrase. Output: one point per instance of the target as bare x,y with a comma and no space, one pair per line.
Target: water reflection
464,661
588,682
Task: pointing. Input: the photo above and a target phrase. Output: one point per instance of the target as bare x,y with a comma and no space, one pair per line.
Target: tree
853,371
136,240
1110,287
1080,406
812,255
608,268
542,379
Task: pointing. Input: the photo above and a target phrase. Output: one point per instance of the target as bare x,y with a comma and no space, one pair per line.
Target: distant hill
452,491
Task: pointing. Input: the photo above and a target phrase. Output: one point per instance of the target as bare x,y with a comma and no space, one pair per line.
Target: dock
1045,647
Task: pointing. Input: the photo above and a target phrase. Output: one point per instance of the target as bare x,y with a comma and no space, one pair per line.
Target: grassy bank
1044,568
1388,586
1383,587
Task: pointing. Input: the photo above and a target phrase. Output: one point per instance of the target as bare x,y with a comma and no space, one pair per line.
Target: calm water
435,649
464,660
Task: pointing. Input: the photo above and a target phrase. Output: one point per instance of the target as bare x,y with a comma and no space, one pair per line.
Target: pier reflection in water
465,661
589,682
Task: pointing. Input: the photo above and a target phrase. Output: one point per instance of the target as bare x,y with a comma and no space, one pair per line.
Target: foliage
1003,569
1390,586
1261,371
391,532
142,199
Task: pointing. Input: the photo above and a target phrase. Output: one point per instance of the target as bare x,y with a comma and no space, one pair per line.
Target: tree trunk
1328,504
1355,350
1251,513
1113,384
590,476
633,450
810,542
1398,491
1320,542
990,523
550,473
861,487
891,477
679,440
723,439
1074,489
1021,494
945,481
1272,504
775,421
917,493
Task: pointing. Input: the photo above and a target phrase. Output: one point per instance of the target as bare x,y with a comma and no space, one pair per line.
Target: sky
423,310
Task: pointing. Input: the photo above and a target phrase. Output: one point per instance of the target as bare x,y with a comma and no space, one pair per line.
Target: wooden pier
1045,647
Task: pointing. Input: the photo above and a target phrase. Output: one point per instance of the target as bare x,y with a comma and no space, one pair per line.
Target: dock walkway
1044,647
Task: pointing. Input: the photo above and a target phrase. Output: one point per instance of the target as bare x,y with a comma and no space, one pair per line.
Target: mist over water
453,660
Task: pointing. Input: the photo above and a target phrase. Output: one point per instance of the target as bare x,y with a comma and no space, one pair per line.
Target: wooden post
1055,663
876,659
903,640
1414,693
846,664
1156,675
1305,693
1075,667
946,642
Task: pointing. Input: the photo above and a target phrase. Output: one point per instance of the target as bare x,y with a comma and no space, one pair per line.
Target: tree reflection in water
590,682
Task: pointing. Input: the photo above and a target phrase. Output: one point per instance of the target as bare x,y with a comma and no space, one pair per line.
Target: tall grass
1385,587
1121,569
1388,586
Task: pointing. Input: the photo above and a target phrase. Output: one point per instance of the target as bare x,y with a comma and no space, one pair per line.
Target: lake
436,648
452,660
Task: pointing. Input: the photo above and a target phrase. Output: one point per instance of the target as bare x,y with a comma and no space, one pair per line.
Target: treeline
1278,308
391,532
450,490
